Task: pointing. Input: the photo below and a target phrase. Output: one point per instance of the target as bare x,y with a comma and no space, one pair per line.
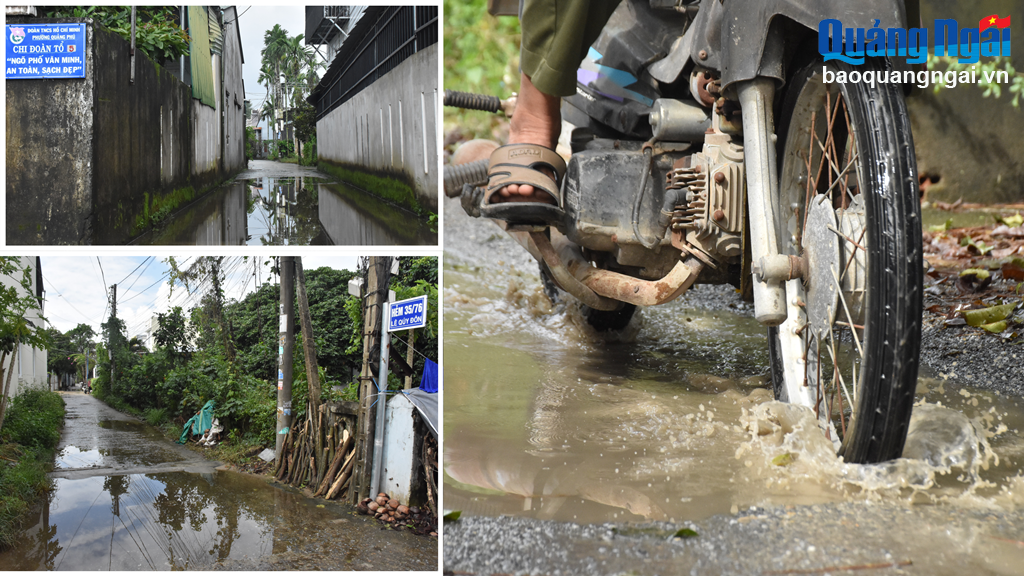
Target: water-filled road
128,499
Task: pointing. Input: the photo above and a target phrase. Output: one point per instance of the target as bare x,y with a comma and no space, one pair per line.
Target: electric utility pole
377,281
113,329
285,346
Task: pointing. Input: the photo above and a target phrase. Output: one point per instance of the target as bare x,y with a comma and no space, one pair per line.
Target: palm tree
275,42
136,346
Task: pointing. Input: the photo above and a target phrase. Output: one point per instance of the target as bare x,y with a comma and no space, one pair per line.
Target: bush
35,419
31,431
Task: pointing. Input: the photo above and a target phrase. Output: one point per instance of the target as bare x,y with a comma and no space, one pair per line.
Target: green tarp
199,423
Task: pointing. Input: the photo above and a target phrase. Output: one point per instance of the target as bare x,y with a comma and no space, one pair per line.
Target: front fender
734,35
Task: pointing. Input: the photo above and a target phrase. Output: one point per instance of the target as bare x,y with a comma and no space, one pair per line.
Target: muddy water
671,419
126,498
299,211
178,520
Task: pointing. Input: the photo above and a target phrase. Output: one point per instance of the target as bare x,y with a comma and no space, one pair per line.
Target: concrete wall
46,121
30,366
390,127
234,95
400,465
131,156
87,158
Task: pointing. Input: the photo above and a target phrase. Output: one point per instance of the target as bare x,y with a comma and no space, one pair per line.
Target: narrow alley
126,498
276,203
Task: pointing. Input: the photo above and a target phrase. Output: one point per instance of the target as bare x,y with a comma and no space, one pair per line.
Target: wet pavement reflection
125,498
178,520
296,211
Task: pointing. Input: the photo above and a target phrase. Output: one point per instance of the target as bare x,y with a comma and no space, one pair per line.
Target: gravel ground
862,538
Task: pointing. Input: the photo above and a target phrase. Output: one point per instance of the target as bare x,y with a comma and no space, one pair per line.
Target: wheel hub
821,252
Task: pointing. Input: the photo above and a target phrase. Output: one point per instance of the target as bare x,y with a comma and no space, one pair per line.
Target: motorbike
709,148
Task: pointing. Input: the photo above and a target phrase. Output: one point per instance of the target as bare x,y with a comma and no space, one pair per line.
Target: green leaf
995,327
685,533
1011,221
453,516
979,318
784,459
942,227
979,273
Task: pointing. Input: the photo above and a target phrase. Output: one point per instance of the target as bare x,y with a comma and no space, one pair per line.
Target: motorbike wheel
849,196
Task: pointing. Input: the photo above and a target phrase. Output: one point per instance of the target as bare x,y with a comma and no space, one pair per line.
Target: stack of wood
320,455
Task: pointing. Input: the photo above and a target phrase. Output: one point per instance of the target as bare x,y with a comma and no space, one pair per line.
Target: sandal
523,164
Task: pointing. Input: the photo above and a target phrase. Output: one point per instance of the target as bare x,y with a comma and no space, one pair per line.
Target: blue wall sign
45,51
407,314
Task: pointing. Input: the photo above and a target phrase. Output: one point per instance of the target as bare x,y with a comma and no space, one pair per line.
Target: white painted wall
390,126
399,449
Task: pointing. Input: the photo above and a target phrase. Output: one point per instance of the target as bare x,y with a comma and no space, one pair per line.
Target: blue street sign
407,314
45,51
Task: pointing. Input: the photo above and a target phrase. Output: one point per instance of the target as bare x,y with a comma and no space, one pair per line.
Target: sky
76,287
254,21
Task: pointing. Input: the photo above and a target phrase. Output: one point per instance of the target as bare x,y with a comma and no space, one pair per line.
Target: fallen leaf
685,533
978,246
1004,230
784,459
452,516
988,315
1011,221
1014,269
973,280
995,327
941,227
979,273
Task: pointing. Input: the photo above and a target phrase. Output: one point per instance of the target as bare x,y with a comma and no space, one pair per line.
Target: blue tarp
199,423
429,381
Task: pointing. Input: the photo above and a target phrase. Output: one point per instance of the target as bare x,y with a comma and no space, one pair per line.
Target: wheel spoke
846,308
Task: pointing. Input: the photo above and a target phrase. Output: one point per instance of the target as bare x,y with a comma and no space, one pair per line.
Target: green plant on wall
157,32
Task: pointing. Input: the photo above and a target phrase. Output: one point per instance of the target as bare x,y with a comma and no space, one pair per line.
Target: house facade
30,364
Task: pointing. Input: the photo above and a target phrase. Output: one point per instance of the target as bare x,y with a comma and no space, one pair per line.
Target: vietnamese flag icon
993,20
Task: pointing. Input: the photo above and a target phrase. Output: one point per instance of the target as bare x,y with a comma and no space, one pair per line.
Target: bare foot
537,120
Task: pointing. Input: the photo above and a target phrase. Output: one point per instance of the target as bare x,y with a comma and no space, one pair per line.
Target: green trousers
556,36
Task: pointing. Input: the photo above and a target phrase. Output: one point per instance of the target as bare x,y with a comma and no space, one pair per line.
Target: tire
867,316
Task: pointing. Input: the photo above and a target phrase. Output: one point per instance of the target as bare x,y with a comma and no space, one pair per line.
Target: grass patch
155,416
161,207
389,189
31,431
289,160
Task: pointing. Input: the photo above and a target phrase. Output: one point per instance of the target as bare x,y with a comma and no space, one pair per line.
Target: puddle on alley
546,419
127,499
296,211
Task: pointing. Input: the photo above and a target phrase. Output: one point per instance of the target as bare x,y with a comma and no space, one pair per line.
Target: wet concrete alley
274,203
126,498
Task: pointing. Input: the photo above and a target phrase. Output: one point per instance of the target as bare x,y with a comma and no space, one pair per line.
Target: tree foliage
191,364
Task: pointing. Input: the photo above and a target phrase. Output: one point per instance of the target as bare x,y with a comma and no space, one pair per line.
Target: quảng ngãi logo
17,34
851,45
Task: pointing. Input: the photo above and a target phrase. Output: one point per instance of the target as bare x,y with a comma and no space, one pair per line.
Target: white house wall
30,366
390,126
